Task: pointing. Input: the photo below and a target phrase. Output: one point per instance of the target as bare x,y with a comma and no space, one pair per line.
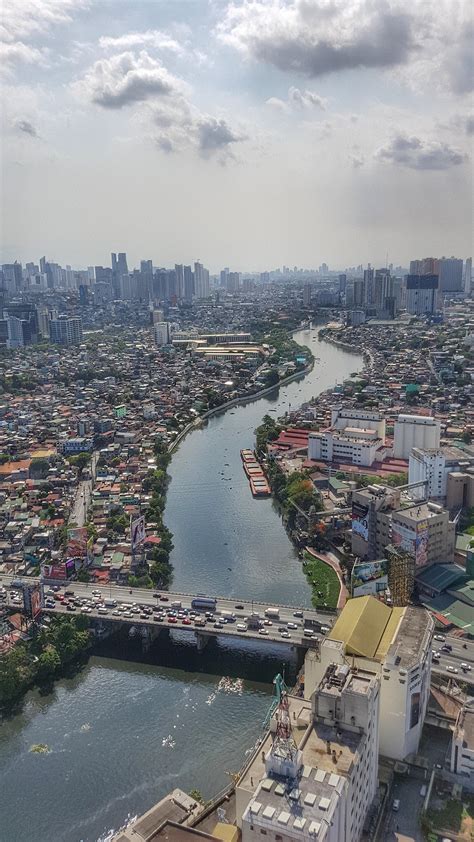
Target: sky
250,134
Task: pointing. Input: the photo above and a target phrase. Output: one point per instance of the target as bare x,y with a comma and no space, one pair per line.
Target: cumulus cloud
153,38
26,127
126,79
216,136
420,154
22,18
305,100
11,53
316,37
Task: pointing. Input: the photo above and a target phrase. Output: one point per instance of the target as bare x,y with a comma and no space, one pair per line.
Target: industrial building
394,643
316,774
410,431
433,466
354,436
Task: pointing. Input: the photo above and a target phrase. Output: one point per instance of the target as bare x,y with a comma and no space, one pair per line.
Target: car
267,622
156,596
186,621
465,667
263,632
68,593
451,668
241,627
96,593
396,805
239,607
127,614
285,633
172,619
308,633
56,588
86,610
325,629
218,625
71,607
282,628
439,637
297,614
164,598
143,616
446,648
292,625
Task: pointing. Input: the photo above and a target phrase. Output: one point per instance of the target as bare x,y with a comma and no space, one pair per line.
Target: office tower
223,277
12,277
422,291
307,295
14,331
171,285
43,322
450,274
233,281
468,277
162,333
359,294
65,331
90,275
368,288
188,284
264,277
342,283
394,643
119,271
179,272
146,280
426,266
27,314
201,281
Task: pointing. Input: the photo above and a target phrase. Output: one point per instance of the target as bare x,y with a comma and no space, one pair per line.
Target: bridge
149,610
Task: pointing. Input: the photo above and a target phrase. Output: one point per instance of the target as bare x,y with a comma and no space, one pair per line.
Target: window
263,832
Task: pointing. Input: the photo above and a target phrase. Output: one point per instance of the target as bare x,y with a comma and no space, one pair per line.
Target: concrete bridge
283,624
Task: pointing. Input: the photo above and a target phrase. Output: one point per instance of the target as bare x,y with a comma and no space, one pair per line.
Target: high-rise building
188,284
65,330
162,333
307,295
223,277
450,274
201,281
360,293
179,272
433,467
264,277
233,281
468,276
422,292
342,283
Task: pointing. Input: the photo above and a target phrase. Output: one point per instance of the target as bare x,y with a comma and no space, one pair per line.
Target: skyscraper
468,276
179,271
421,294
450,274
188,284
201,281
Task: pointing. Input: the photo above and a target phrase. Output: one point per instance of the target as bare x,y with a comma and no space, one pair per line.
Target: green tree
161,573
48,664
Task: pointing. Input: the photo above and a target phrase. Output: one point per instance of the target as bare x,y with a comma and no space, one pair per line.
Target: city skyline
255,133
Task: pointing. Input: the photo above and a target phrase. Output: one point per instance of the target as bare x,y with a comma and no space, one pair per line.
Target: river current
125,731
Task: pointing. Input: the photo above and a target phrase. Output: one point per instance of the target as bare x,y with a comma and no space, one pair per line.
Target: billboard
137,531
360,520
421,545
414,541
32,600
404,538
77,542
369,577
53,571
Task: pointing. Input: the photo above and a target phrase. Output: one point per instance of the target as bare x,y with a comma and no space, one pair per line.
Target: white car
466,667
285,634
451,669
439,637
263,631
292,625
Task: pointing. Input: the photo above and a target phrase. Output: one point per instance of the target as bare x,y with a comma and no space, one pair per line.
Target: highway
454,659
83,495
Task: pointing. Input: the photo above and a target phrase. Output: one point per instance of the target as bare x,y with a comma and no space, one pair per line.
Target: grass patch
324,582
453,816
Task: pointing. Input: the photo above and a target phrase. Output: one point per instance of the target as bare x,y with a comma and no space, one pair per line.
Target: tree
48,664
271,378
83,575
161,573
158,554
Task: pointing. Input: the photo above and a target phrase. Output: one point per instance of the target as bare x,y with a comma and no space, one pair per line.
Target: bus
204,603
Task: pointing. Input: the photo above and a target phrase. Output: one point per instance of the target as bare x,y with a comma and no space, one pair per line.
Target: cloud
459,61
420,155
126,79
23,18
153,38
216,136
357,161
26,127
316,37
302,100
11,53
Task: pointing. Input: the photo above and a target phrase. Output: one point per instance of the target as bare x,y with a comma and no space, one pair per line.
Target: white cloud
153,38
23,18
419,154
11,53
318,37
126,79
302,100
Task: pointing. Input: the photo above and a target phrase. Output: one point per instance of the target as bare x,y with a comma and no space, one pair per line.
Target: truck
253,621
204,603
110,603
272,613
228,616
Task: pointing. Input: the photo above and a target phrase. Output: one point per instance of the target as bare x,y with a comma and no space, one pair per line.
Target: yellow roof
366,626
225,832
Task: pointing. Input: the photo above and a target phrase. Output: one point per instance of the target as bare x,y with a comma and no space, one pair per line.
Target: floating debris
40,748
168,742
229,685
86,727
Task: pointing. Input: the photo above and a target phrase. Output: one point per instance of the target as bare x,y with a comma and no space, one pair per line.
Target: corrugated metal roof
361,625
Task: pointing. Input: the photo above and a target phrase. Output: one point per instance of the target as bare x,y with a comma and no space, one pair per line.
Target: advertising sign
369,577
53,571
360,520
137,531
404,538
77,542
32,600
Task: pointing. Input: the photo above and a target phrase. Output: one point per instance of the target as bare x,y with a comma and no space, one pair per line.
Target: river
122,733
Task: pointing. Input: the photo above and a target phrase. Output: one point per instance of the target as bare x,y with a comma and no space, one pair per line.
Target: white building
328,779
462,746
433,467
162,333
415,431
394,643
354,436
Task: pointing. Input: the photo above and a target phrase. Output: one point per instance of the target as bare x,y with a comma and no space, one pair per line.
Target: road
458,655
84,495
